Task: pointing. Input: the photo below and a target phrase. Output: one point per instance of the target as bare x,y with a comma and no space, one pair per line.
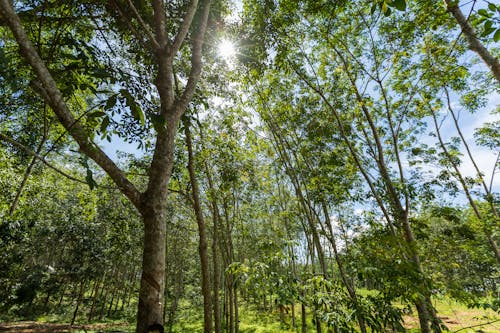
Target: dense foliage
335,171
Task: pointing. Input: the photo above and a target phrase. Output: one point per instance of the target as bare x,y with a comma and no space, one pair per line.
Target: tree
164,38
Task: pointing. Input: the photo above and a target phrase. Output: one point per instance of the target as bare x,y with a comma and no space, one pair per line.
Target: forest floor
456,316
39,327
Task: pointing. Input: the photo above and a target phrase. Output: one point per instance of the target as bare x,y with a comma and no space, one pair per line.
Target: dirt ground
32,327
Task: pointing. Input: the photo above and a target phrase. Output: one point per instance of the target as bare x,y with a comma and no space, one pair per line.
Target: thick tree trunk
151,203
150,310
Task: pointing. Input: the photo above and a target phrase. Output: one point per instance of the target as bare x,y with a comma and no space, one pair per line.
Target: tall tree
155,28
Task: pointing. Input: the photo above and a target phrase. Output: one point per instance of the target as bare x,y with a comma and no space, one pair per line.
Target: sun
227,49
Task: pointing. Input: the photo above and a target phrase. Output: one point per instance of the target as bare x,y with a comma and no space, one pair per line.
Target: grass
456,316
459,318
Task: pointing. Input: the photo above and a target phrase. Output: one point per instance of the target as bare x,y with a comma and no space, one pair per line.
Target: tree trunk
231,308
343,275
78,301
216,285
150,310
236,314
215,249
203,245
95,298
304,318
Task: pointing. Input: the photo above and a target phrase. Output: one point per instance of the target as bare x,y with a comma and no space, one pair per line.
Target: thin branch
477,325
30,167
126,19
39,157
144,26
184,28
493,171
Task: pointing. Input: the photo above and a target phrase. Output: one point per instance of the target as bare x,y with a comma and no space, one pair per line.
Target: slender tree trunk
95,298
203,245
113,296
78,301
343,275
303,318
231,306
462,182
216,282
236,313
474,43
215,248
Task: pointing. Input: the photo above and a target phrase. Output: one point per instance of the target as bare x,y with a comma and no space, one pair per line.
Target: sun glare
227,49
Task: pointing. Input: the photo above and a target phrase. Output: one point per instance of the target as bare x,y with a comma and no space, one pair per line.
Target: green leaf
384,8
158,122
96,114
492,7
487,32
104,125
488,25
111,102
90,180
136,110
398,4
484,12
496,36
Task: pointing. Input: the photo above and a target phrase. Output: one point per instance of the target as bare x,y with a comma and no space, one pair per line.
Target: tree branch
144,26
55,100
474,43
195,59
160,25
13,142
184,28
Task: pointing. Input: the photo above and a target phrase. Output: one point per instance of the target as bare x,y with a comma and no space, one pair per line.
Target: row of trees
311,175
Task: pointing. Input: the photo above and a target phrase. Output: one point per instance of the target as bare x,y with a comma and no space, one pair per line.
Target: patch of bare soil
32,327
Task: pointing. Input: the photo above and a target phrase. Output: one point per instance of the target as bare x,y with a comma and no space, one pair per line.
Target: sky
484,157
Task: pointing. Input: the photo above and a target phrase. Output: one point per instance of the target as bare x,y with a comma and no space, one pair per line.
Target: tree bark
474,43
303,318
215,253
78,301
151,292
203,245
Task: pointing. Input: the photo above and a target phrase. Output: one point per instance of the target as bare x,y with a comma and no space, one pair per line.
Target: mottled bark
151,292
474,43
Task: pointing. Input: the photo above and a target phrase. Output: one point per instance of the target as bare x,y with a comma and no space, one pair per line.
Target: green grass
457,316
